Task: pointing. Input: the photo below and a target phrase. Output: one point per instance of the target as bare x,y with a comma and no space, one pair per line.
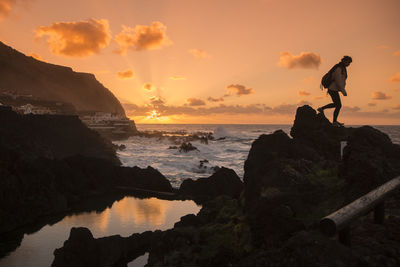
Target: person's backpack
327,78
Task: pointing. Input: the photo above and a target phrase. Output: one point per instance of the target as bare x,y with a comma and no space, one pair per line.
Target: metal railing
339,222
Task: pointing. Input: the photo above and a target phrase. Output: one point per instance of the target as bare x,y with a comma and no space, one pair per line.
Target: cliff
23,75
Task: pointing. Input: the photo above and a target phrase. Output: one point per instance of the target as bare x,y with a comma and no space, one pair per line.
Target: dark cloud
240,89
142,37
157,101
76,39
196,102
212,99
380,96
128,74
306,60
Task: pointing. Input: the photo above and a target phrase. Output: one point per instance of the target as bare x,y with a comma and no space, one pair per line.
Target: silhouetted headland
289,185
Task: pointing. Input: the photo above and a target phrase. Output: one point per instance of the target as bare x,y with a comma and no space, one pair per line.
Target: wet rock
223,182
186,147
149,178
81,249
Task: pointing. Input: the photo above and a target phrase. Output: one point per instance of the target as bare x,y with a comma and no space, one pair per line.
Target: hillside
23,75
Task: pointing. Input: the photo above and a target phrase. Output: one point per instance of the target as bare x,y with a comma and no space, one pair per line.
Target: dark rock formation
289,185
24,75
81,249
218,236
223,182
186,147
51,136
48,164
369,160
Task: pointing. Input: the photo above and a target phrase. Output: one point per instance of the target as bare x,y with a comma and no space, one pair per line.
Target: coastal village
109,125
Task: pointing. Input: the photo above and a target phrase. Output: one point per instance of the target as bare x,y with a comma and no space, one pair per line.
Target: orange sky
219,61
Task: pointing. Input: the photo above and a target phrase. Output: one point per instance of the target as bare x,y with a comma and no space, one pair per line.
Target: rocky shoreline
270,219
289,184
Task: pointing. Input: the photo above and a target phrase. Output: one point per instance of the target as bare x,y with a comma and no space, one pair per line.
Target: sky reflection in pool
125,217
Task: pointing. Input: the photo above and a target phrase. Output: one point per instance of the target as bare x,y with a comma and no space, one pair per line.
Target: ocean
229,149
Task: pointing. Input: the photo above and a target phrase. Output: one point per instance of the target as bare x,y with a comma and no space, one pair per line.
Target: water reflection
125,217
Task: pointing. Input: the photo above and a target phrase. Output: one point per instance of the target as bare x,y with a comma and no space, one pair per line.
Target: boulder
369,160
223,182
149,179
315,131
81,249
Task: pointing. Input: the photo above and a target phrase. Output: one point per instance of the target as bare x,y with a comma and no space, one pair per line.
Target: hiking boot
337,124
320,110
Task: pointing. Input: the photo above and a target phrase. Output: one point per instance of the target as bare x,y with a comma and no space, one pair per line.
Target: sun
154,115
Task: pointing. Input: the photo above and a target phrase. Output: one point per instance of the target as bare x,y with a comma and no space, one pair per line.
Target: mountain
23,75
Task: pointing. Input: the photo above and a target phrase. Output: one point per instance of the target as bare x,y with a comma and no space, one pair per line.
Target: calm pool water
125,217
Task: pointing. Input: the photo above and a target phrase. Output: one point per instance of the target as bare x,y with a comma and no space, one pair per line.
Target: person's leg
338,104
331,105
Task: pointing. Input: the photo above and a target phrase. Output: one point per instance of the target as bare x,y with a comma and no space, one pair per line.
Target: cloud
382,46
76,39
396,53
380,96
320,97
304,102
395,78
212,99
306,60
240,89
128,74
157,101
196,102
142,37
303,93
351,109
148,87
396,107
198,53
372,104
177,78
261,109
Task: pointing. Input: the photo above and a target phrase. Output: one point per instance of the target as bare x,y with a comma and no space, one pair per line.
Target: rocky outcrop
81,249
52,137
223,182
369,160
48,164
24,75
289,184
217,237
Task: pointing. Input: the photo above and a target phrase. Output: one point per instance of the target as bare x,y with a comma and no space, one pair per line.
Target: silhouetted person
338,83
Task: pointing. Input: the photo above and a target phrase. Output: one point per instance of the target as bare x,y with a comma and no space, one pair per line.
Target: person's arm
340,80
